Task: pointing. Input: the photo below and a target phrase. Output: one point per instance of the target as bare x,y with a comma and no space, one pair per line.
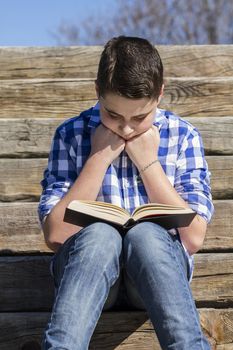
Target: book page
102,210
153,209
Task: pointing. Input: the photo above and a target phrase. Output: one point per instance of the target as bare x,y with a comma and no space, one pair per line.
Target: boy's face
127,117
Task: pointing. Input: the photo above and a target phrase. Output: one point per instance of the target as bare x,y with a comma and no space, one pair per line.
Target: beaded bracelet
143,169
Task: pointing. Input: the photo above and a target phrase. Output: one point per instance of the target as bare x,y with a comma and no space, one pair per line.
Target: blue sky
30,22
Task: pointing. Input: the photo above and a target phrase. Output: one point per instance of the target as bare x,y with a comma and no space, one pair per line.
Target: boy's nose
126,130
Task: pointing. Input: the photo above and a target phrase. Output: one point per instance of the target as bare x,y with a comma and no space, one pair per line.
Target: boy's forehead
127,106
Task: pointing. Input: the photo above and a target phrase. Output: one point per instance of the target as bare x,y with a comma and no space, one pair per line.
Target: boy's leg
155,262
84,269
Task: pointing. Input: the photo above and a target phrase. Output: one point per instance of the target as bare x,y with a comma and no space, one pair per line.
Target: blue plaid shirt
180,153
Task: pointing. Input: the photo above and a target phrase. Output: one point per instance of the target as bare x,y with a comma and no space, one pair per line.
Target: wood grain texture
45,97
59,98
32,137
20,178
82,61
26,283
41,87
212,283
221,176
134,330
219,235
199,96
20,231
218,324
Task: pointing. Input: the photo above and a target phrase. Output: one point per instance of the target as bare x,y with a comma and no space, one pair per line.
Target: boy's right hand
106,144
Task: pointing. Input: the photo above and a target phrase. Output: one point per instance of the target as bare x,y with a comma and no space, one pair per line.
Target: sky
32,22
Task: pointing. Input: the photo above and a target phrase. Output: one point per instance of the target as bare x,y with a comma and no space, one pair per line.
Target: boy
99,155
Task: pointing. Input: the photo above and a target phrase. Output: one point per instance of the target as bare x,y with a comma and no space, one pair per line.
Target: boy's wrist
99,160
147,166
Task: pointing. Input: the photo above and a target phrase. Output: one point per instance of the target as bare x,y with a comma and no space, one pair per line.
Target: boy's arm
105,147
159,188
86,186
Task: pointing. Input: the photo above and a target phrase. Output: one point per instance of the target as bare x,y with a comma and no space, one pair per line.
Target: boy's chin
127,138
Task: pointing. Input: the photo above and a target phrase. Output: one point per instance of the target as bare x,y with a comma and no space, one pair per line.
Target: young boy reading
98,155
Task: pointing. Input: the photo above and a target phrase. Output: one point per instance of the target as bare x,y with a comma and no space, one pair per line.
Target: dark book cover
167,221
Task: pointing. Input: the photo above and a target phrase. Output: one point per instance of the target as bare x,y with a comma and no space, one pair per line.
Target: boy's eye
113,116
140,119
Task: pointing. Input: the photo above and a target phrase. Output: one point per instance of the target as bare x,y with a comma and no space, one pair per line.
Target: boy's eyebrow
135,116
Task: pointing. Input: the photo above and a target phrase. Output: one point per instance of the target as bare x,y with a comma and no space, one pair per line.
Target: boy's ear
97,90
161,94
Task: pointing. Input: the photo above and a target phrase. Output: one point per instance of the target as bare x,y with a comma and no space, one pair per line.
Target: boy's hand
143,148
106,144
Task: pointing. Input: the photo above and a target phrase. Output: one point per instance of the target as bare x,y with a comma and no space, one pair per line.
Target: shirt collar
94,121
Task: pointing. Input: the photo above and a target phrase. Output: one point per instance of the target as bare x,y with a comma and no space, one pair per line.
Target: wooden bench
40,87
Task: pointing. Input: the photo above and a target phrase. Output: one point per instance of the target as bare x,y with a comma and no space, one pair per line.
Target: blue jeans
87,272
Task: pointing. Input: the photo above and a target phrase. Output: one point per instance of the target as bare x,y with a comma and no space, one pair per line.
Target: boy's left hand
143,149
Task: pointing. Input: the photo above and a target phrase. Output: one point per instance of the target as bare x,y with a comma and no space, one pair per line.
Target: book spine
130,223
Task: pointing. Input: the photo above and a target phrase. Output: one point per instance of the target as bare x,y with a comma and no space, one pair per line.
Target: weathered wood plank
32,137
20,231
50,62
218,324
225,347
220,230
41,98
26,283
20,178
222,179
211,264
216,134
199,96
27,137
81,61
134,330
45,98
213,291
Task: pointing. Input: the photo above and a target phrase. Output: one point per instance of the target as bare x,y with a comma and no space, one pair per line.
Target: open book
83,213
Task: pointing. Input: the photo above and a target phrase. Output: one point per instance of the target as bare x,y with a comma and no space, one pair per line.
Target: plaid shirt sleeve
59,175
192,180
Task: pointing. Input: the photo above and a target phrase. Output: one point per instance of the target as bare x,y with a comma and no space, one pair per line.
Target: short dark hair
130,67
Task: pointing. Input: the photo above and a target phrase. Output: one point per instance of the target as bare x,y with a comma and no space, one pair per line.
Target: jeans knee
99,239
143,232
146,239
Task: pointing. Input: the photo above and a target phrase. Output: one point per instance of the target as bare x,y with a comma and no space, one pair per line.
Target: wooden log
20,178
211,264
219,235
225,347
41,98
216,134
221,179
82,61
20,231
46,98
199,96
218,324
27,137
134,330
26,283
32,137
